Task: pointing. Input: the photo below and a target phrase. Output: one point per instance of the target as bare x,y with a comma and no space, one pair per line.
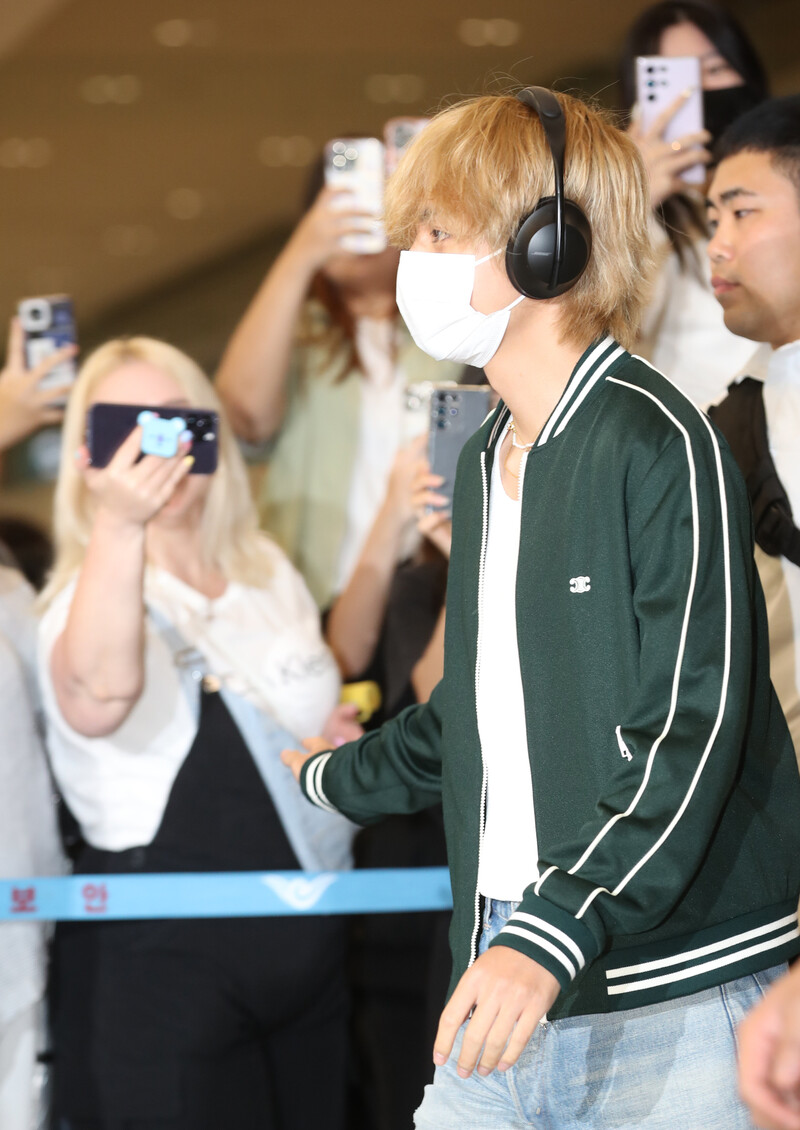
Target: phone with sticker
108,425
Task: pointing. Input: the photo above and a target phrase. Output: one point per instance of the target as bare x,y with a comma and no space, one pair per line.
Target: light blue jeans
669,1066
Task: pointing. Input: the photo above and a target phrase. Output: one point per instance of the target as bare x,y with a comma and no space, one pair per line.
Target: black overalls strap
742,420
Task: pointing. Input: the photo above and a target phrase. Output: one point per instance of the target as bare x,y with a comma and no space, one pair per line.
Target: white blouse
264,644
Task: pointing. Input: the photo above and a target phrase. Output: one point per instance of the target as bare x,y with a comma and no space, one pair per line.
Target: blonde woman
177,646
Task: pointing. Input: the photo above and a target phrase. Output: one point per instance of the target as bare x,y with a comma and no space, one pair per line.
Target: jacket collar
588,373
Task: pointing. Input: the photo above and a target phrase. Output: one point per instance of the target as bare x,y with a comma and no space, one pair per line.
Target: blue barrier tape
235,894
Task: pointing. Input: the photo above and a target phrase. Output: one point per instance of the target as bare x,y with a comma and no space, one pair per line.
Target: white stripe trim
545,875
697,970
587,388
702,951
314,785
571,388
543,944
676,677
505,413
559,935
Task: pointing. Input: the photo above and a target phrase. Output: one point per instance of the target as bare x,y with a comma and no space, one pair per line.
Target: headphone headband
552,246
548,109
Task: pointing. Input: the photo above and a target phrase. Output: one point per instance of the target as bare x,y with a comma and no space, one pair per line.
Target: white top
781,578
380,433
29,844
263,643
683,332
509,851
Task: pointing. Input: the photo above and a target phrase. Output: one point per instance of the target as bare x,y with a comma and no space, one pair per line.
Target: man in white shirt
754,213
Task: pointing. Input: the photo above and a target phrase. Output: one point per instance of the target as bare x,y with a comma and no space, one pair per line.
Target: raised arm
255,366
97,663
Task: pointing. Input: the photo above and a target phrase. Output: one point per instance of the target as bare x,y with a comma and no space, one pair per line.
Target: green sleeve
395,769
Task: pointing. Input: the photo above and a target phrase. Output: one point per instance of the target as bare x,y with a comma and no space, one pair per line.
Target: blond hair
480,166
230,537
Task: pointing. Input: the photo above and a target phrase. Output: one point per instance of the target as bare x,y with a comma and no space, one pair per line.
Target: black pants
234,1024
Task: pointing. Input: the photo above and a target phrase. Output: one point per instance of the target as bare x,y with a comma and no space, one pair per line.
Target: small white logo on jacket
302,894
579,584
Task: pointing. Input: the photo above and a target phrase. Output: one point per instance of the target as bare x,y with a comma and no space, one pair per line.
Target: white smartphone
398,133
357,165
660,80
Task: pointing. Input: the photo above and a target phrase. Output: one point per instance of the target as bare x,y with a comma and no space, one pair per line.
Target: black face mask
724,106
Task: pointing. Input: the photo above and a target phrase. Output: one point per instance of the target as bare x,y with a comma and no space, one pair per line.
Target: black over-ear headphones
552,247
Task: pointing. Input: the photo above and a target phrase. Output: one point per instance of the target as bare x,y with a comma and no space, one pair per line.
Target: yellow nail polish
188,460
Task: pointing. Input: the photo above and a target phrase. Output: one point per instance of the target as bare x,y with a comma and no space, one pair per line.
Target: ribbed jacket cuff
311,781
551,937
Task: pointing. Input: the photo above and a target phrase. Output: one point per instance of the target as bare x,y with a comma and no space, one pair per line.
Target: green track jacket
665,784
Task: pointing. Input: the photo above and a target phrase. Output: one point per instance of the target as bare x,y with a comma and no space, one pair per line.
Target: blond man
610,752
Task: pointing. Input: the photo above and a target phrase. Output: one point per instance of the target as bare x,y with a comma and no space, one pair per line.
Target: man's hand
296,759
510,994
769,1056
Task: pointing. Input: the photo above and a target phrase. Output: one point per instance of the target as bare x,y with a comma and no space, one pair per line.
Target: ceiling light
394,88
129,240
184,33
25,153
184,203
277,152
119,89
489,33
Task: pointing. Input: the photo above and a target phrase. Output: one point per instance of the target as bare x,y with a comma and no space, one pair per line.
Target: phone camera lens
442,423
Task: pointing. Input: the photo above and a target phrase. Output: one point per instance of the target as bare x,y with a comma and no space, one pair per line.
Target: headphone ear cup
530,255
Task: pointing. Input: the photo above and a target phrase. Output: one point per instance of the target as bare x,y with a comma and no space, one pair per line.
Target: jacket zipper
481,568
623,749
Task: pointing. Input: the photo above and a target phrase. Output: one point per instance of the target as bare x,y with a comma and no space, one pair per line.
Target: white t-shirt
29,843
509,852
781,578
264,644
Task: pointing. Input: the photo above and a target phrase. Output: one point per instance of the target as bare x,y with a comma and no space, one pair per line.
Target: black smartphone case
108,425
456,414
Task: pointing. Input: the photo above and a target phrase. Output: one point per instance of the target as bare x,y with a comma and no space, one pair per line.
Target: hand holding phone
27,400
48,325
669,128
131,487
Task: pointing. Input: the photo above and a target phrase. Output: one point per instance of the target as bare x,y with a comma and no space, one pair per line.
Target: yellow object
366,696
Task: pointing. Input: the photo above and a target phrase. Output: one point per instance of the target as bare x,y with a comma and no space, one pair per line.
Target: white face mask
433,295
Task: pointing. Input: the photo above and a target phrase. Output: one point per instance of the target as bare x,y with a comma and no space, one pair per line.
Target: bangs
468,169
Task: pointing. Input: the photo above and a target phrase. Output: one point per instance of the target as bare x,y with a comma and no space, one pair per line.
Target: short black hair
772,127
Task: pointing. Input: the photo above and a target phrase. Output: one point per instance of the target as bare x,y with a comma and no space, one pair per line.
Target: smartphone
417,410
48,324
357,164
398,133
456,413
659,81
108,425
